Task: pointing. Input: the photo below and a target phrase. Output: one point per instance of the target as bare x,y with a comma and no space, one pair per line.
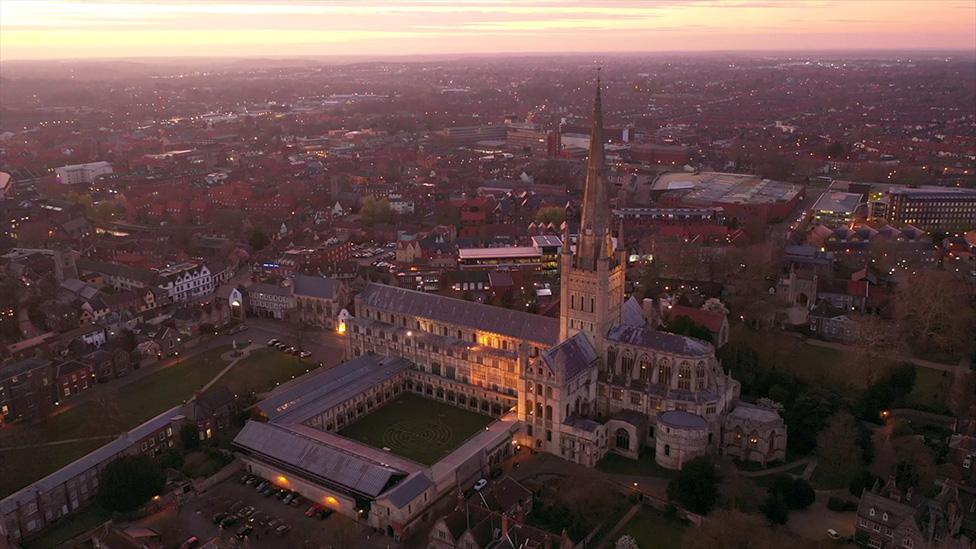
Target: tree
864,480
808,416
684,325
626,542
838,451
551,214
933,314
128,482
375,211
171,458
795,492
258,240
775,509
696,486
189,437
906,475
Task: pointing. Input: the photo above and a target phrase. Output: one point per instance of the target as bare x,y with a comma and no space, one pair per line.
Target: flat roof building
836,208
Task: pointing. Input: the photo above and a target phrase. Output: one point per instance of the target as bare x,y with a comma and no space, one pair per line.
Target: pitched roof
317,458
712,320
316,286
516,324
571,356
408,490
659,341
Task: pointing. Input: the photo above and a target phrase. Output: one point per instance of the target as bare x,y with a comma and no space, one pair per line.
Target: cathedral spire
595,223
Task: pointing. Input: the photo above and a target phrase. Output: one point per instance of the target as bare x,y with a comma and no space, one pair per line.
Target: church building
599,379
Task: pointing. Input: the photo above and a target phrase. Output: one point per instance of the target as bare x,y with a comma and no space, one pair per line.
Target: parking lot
195,518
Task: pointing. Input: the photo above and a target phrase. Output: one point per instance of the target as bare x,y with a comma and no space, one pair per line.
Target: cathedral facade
598,379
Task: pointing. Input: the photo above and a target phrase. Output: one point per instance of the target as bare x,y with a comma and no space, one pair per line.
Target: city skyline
58,29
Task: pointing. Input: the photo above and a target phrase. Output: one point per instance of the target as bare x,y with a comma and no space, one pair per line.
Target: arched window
664,372
538,409
627,364
684,376
623,439
549,412
667,449
611,358
700,376
529,407
645,368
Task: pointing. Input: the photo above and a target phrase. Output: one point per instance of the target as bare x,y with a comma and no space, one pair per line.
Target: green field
810,363
112,413
931,391
263,369
652,530
417,428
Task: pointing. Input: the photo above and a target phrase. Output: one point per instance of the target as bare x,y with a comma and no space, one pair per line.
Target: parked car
244,531
246,511
832,534
268,491
280,494
313,510
480,484
282,529
235,506
305,354
297,500
272,342
219,517
190,542
288,497
229,521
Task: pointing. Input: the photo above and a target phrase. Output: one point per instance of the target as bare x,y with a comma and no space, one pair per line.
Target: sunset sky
32,29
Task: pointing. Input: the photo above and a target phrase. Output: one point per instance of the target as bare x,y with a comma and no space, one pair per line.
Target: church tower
592,277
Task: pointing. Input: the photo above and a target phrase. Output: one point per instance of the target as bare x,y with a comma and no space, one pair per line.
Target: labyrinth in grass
417,428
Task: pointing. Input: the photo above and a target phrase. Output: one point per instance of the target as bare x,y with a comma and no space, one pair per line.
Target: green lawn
69,527
652,530
417,428
931,389
614,464
112,414
262,370
811,363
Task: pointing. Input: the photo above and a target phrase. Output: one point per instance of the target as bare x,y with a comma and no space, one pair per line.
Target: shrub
774,509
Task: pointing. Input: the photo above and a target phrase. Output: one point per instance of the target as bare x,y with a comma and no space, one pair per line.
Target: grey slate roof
516,324
21,366
682,420
94,459
316,458
571,357
408,490
649,338
268,289
316,286
631,313
317,392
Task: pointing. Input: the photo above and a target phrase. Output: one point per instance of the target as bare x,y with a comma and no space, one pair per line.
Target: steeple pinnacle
595,223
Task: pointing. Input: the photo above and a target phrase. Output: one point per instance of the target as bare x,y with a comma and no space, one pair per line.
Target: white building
185,281
77,174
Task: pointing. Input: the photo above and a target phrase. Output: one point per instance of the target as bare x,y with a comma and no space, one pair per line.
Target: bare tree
933,314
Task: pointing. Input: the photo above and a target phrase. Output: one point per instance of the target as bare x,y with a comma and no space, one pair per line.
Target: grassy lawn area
110,414
69,527
19,468
931,389
262,370
417,428
652,530
614,464
811,363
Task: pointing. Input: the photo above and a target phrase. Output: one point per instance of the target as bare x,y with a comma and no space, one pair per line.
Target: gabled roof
516,324
409,490
649,338
571,356
316,458
316,286
710,319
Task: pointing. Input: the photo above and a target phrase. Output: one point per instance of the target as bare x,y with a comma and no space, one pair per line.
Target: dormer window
884,516
871,512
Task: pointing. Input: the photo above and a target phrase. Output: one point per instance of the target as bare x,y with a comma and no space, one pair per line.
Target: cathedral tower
592,277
